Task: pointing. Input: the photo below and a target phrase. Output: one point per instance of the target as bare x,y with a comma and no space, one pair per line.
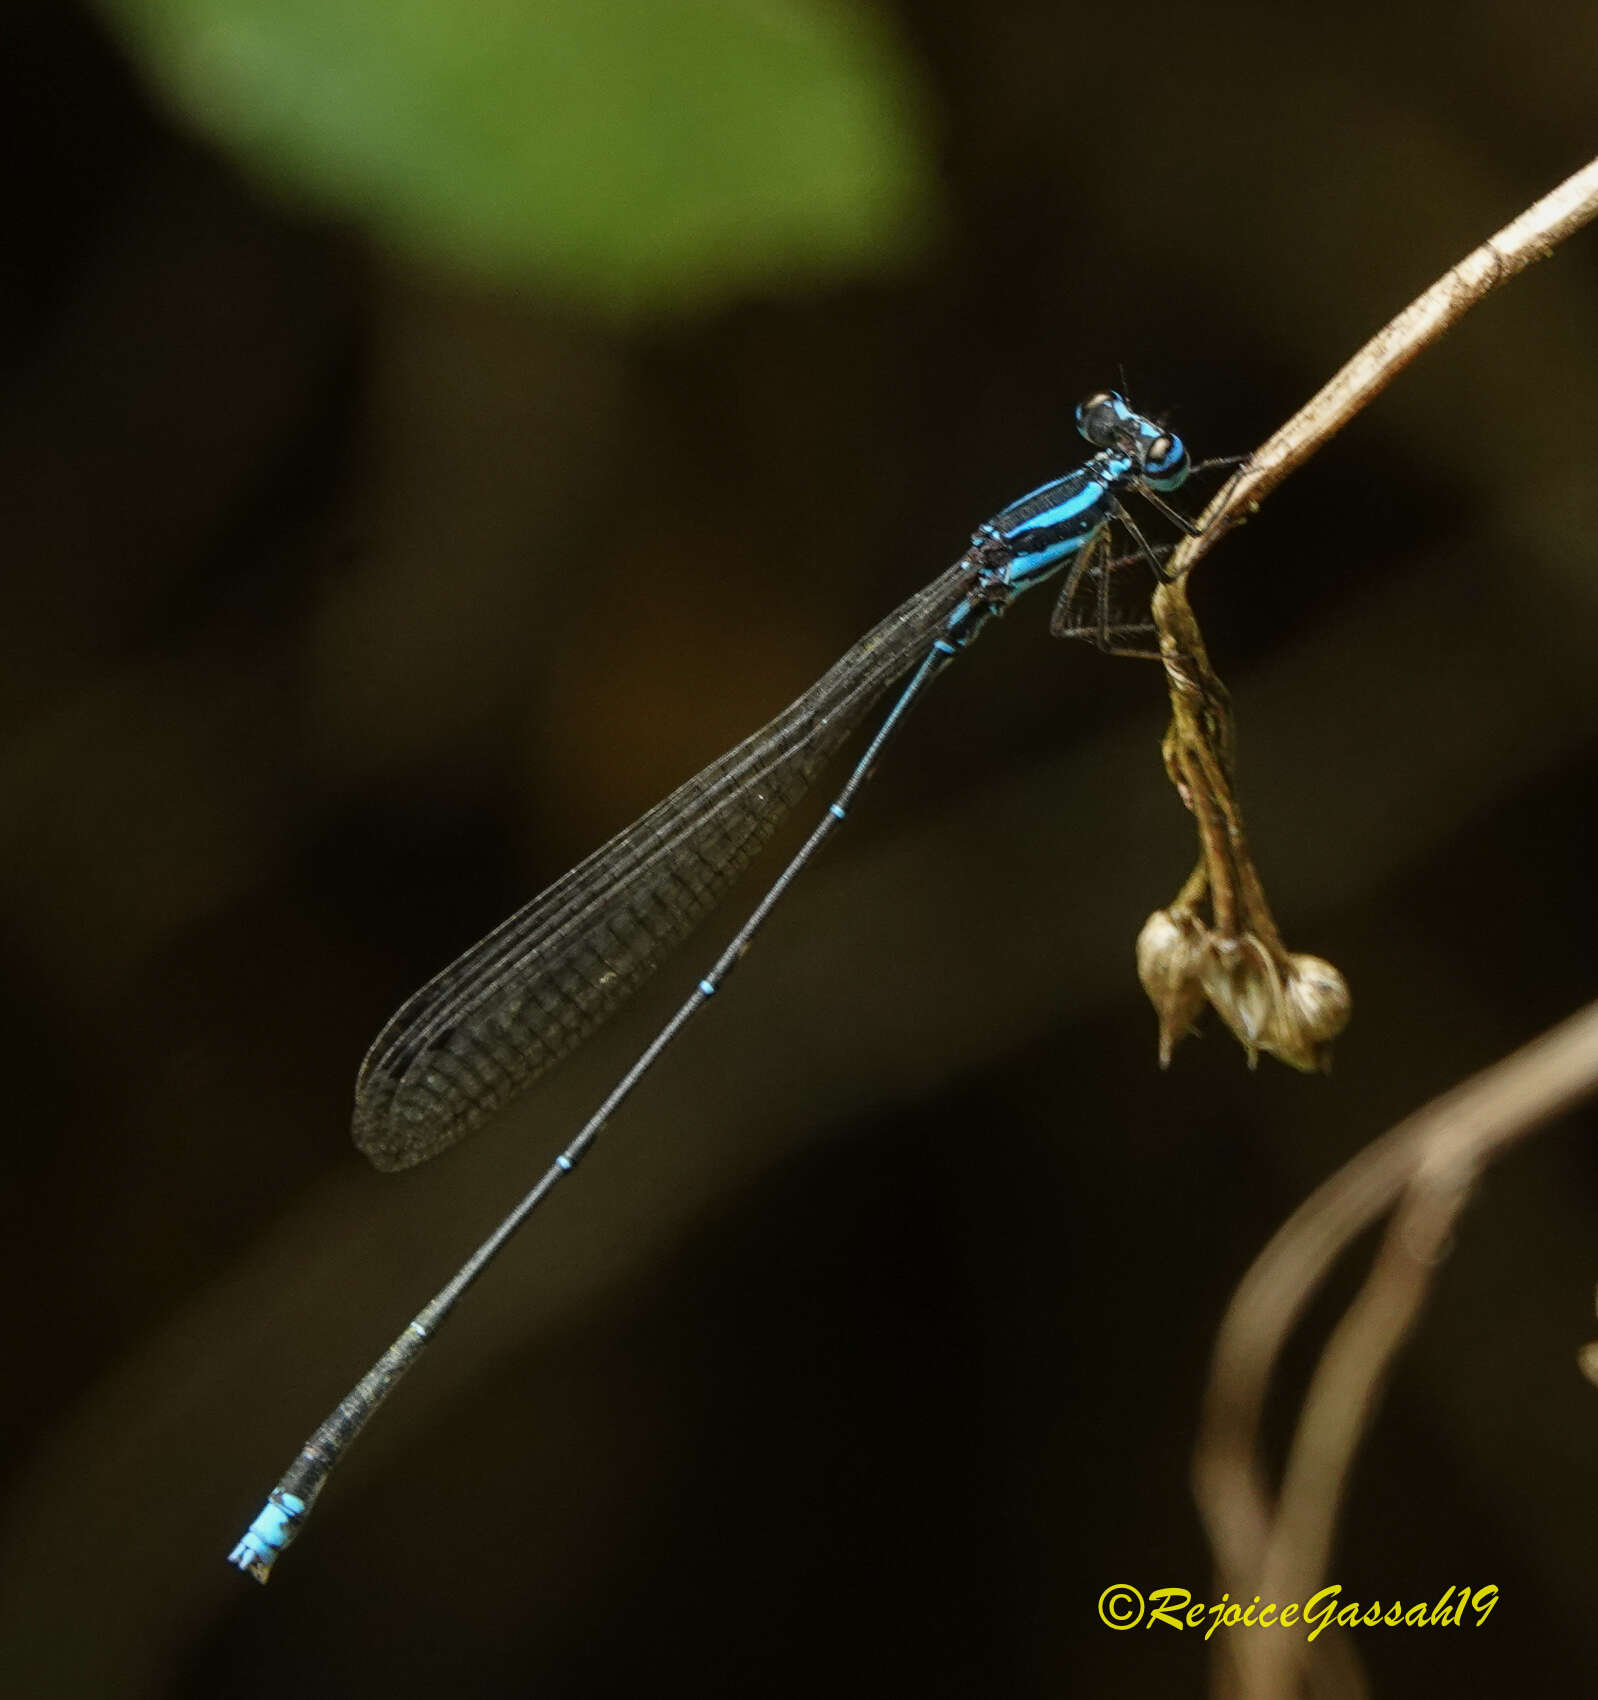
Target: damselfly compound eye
1100,417
1165,462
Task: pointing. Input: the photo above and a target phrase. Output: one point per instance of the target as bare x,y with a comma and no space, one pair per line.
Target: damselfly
481,1031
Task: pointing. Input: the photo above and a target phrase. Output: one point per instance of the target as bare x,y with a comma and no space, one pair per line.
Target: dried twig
1424,1170
1289,1004
1532,236
1273,999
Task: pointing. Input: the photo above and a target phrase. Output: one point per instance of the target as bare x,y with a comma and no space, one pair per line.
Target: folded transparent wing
531,991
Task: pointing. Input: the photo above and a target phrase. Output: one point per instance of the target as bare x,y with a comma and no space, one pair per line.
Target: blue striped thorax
1050,527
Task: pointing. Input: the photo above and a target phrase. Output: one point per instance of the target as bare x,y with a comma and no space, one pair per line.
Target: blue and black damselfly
481,1031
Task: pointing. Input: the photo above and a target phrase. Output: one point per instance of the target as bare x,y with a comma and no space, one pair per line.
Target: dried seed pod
1241,980
1171,951
1315,1008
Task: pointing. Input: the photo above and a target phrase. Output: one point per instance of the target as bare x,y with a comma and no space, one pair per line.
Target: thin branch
1427,1166
1532,236
1291,1006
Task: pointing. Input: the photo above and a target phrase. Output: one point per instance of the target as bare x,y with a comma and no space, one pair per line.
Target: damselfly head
1159,456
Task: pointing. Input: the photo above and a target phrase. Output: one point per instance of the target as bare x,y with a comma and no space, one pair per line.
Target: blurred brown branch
1424,1171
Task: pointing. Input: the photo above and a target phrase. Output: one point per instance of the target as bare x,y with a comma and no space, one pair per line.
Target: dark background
347,604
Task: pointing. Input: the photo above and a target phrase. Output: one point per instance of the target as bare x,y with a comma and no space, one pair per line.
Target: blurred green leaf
635,154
